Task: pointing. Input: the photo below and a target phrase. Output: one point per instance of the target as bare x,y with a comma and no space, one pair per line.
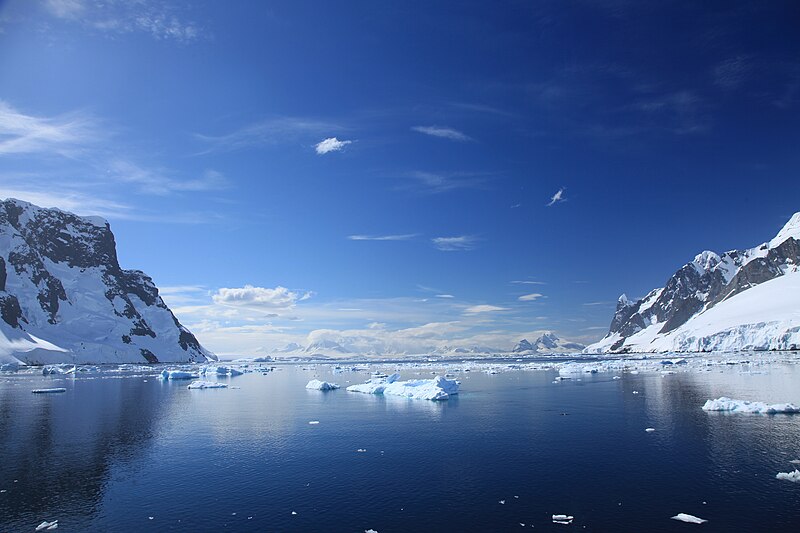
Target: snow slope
65,299
742,300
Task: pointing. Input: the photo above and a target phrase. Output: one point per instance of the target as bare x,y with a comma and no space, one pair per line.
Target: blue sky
294,171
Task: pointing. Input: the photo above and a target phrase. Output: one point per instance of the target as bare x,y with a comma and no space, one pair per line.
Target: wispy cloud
443,132
74,202
158,181
731,73
455,244
557,197
66,135
160,20
331,144
266,132
528,282
484,308
441,182
445,296
404,237
530,297
598,303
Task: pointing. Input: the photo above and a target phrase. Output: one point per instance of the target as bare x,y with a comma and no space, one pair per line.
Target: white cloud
78,203
557,197
530,297
527,282
279,298
331,144
455,244
403,237
443,132
445,296
475,309
160,20
65,135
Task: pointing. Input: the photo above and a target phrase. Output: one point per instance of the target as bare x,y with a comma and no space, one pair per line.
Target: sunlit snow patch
743,406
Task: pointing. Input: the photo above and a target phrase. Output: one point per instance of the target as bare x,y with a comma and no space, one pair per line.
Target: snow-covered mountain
740,300
64,297
547,343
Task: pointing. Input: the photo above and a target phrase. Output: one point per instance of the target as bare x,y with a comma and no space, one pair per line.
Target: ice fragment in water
650,430
789,476
690,519
47,525
49,391
744,406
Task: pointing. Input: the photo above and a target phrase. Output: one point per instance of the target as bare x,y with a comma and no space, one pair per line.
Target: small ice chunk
294,513
562,519
316,384
744,406
47,525
370,531
795,461
789,476
207,385
49,391
361,450
313,422
502,502
690,519
211,370
650,430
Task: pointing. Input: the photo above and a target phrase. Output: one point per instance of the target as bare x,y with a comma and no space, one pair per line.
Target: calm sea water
118,453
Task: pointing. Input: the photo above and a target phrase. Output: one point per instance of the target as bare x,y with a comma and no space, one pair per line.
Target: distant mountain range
546,344
65,298
740,300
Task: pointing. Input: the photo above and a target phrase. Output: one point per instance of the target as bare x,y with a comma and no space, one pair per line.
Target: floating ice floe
743,406
313,422
207,385
49,391
316,384
177,374
563,519
650,430
438,388
47,526
215,370
689,519
9,367
789,476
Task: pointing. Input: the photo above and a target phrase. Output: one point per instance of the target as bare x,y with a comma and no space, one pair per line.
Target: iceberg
690,519
49,391
47,526
316,384
744,406
789,476
436,389
207,385
213,370
177,374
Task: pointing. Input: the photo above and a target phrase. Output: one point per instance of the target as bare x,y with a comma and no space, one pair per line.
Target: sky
404,174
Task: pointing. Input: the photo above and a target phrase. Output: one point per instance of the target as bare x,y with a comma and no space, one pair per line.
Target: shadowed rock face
703,283
57,270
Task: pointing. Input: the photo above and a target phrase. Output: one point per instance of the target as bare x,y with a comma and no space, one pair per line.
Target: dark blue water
114,451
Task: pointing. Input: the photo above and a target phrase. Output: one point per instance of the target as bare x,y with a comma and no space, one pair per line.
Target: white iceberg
438,388
177,374
216,370
316,384
207,385
743,406
690,519
47,526
789,476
